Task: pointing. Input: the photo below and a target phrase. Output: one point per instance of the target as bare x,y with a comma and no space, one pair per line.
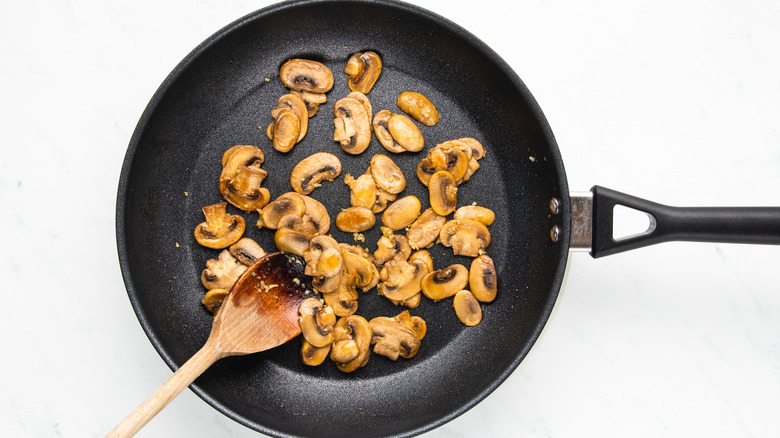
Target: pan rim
564,216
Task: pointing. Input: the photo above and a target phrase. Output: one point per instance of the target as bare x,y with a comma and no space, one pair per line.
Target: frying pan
217,97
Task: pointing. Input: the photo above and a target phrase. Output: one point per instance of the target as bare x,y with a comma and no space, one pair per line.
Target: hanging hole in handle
628,223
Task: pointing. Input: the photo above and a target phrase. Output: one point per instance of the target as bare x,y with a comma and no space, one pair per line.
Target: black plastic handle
754,225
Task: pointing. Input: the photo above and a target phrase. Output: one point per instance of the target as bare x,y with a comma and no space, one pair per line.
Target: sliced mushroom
391,339
213,299
477,213
423,256
312,170
344,299
301,224
352,125
324,263
287,204
314,356
401,213
443,193
391,246
452,156
363,70
355,219
425,229
446,282
363,190
467,308
478,151
222,272
351,343
382,198
220,229
466,237
246,251
316,213
483,281
306,75
366,274
316,321
386,174
413,323
311,100
419,107
401,280
289,240
294,103
383,133
363,99
405,133
239,155
287,129
243,189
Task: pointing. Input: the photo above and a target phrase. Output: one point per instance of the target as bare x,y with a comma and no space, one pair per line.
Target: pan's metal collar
581,221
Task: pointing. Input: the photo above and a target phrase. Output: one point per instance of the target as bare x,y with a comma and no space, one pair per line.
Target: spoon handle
181,379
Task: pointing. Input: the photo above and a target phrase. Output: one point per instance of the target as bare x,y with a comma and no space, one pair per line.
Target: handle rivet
555,206
555,233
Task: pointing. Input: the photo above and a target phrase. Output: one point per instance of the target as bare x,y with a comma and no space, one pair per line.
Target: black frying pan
218,96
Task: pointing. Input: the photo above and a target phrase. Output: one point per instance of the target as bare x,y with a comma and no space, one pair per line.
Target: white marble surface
674,101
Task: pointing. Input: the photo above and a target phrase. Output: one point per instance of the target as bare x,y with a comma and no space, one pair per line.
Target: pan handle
753,225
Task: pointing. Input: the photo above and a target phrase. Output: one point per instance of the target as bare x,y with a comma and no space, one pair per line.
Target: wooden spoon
259,313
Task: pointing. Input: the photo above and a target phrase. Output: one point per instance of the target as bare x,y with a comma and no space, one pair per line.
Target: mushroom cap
452,156
287,204
387,174
401,213
391,246
355,219
391,339
402,279
477,213
363,99
483,280
314,356
363,70
425,229
246,251
220,229
344,298
240,155
244,190
424,256
317,213
467,308
316,321
405,133
419,107
312,170
286,130
213,299
363,190
292,241
222,272
477,150
352,125
413,323
366,274
294,103
383,133
306,75
466,237
443,193
446,282
324,263
351,328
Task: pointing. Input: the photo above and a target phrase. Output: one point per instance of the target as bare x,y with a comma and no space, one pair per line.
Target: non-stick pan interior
221,95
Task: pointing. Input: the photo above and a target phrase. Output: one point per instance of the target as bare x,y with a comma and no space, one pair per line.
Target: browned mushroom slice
366,274
314,356
303,225
311,100
213,299
425,230
477,213
391,246
246,251
483,280
222,272
423,256
243,188
383,133
413,323
355,219
292,241
363,70
316,321
351,343
446,282
467,308
286,130
294,103
316,213
238,155
324,263
391,339
405,133
352,125
344,299
401,280
452,156
363,190
306,75
478,151
382,198
220,229
386,174
363,99
312,170
285,205
419,107
401,213
466,237
443,193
